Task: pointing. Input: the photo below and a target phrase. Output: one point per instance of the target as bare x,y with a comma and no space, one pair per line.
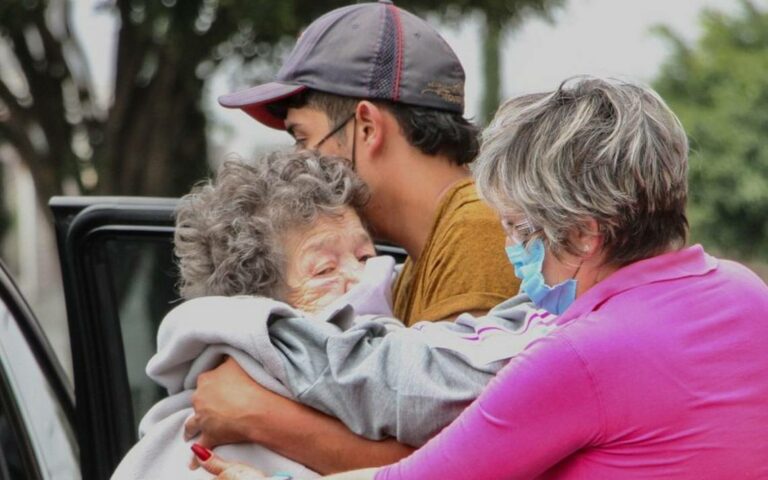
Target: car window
143,277
31,416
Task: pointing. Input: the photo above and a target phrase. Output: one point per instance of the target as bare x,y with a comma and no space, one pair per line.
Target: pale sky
598,37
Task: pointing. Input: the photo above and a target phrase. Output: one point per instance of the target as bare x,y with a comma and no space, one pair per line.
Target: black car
119,282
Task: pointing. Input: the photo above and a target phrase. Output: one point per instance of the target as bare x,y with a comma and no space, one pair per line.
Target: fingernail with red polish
201,452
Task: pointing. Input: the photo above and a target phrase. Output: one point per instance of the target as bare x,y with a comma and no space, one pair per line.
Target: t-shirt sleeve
468,269
541,408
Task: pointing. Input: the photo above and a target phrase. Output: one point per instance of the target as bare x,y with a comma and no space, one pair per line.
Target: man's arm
230,407
379,383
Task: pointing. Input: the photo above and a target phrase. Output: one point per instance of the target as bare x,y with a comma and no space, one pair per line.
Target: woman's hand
222,469
237,471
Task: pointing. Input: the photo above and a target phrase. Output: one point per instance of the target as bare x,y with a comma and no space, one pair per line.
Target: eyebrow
332,239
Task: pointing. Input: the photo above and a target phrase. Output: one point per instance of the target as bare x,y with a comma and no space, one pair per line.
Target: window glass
144,279
50,434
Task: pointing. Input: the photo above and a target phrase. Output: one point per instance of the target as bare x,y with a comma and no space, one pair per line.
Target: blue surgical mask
528,263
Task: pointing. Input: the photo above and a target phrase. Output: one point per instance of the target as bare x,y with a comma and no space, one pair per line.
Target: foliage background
719,88
151,139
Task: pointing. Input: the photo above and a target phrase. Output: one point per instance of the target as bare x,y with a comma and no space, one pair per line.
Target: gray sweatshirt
408,383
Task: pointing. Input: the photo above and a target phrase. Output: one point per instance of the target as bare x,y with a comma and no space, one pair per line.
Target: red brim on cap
254,101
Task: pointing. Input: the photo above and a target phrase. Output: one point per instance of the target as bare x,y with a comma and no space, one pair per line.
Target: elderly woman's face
325,260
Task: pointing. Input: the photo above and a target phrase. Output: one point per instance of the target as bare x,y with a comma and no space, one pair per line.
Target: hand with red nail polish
201,452
222,469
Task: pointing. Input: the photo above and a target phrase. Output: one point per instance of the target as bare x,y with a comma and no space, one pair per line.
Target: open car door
119,282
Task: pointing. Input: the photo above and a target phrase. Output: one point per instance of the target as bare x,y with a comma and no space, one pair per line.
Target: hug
551,321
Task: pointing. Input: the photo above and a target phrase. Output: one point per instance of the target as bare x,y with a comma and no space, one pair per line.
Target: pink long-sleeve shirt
659,371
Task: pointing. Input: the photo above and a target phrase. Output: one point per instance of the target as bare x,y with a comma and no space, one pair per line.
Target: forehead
329,232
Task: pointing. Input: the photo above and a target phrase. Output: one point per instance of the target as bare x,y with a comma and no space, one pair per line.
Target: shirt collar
688,262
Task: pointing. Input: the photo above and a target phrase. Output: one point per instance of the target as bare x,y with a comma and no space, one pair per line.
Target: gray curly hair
600,149
229,229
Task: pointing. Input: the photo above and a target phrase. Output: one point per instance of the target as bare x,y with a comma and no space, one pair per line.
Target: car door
119,282
36,401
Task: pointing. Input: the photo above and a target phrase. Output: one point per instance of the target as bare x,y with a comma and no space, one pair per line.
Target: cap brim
254,101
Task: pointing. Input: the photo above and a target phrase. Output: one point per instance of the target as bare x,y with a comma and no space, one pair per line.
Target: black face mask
336,130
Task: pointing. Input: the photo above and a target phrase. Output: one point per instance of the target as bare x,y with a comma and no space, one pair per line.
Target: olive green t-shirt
463,266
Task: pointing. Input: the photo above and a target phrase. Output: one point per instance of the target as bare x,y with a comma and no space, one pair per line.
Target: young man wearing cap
377,85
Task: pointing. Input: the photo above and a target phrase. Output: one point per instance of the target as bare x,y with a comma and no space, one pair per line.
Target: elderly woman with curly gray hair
285,227
657,365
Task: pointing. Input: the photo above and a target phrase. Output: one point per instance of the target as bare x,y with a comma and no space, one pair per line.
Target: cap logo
450,92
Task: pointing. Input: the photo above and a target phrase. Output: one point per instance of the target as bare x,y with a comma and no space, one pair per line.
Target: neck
405,208
603,269
592,275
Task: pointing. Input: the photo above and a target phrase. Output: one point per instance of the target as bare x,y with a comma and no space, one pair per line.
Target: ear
588,240
371,126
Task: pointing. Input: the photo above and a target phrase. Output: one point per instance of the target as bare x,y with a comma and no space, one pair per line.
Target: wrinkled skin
325,260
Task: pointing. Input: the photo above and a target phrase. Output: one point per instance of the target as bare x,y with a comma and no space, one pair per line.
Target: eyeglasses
334,130
519,232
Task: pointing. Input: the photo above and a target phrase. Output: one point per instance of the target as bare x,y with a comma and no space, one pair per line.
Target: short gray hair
229,229
594,148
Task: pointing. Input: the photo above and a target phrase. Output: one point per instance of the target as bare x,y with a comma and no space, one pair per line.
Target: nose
352,273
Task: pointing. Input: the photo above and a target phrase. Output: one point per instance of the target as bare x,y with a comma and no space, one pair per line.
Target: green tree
151,139
499,20
719,88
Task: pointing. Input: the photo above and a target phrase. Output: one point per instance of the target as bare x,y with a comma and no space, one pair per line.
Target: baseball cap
374,51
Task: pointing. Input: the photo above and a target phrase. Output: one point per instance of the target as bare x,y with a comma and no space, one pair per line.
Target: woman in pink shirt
658,368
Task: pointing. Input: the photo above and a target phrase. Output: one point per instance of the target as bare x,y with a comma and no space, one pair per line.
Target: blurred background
118,97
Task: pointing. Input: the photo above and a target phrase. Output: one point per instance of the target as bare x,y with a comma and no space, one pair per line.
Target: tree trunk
491,46
155,139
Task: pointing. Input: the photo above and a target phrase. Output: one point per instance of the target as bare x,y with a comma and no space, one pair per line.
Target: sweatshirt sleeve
542,407
378,380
